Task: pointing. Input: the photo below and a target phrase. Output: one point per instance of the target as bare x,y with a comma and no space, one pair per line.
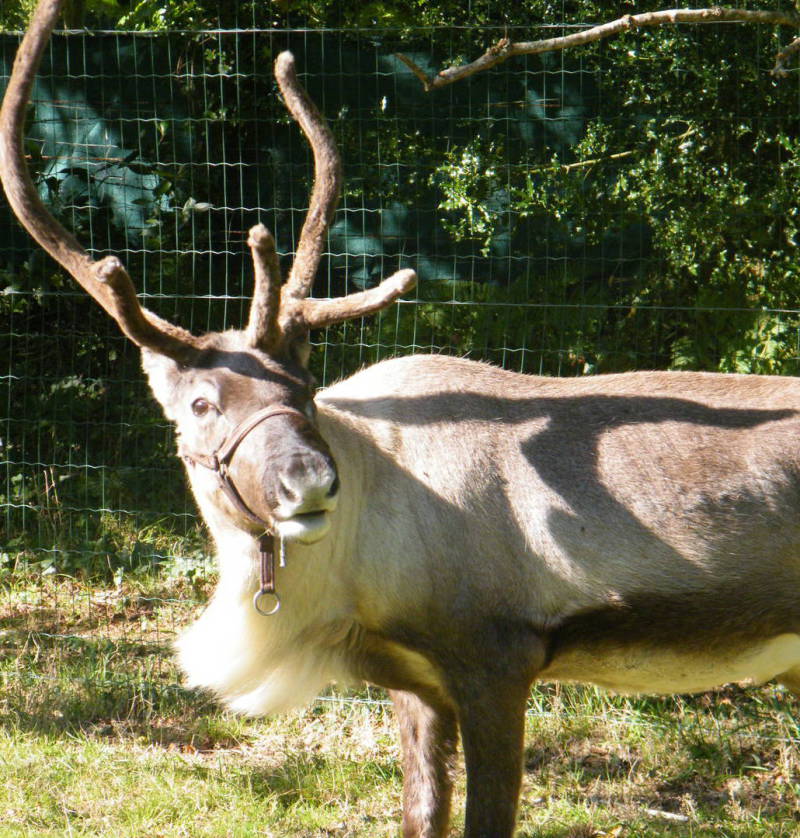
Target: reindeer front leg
429,738
492,733
490,691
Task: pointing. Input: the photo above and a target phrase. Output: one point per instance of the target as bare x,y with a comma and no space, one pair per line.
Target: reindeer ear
162,375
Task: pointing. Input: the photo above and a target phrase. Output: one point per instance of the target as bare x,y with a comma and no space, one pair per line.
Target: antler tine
106,281
262,326
327,178
296,312
319,313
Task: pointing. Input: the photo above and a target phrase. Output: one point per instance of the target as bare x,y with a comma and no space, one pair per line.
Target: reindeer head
244,392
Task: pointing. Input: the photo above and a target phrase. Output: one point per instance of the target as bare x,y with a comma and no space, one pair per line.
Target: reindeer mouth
306,519
305,527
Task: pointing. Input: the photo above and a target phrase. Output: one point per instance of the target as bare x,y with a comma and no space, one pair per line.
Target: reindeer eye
200,407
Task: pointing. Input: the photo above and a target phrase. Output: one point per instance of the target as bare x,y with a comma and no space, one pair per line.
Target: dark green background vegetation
628,205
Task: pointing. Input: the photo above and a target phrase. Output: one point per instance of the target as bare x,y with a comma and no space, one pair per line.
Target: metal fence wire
627,205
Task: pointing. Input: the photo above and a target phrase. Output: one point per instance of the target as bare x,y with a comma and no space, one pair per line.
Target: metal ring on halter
257,603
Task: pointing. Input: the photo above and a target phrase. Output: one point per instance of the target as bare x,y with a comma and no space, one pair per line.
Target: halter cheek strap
219,463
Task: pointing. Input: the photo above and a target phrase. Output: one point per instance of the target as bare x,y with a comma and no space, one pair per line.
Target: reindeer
452,531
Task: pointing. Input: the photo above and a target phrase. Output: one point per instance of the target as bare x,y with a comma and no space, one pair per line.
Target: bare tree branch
505,49
781,58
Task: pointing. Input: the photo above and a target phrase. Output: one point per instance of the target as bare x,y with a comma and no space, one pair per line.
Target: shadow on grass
724,762
58,681
78,657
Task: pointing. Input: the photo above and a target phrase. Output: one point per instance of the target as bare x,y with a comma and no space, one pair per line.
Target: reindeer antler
277,315
327,178
296,313
262,327
107,280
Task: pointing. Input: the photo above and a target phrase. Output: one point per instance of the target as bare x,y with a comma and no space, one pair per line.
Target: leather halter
219,463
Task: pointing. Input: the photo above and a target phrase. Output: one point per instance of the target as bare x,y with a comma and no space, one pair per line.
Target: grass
98,738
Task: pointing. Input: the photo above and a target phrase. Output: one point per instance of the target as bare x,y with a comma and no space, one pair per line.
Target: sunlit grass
98,737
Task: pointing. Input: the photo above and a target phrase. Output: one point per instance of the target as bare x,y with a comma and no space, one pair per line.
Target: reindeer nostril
306,490
288,493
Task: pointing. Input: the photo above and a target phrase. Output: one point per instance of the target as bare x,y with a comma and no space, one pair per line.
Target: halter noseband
219,463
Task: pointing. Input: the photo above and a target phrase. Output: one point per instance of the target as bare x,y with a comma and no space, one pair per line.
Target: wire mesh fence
631,205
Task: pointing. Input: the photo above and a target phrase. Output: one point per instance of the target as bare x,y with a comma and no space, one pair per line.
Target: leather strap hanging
218,462
266,552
